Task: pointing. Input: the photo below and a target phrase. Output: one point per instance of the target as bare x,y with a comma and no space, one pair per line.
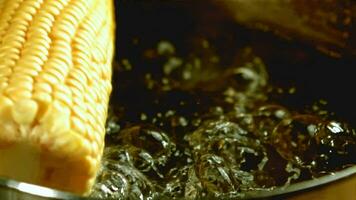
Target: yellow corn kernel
55,83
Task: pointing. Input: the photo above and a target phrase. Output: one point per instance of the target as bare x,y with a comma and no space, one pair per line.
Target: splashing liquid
188,127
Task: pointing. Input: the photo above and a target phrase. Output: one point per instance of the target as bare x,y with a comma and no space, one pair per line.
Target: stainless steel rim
302,185
49,193
35,190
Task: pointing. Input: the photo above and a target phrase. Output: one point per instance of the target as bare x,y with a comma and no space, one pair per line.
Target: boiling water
185,126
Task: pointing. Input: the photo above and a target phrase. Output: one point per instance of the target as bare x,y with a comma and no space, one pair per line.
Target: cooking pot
292,62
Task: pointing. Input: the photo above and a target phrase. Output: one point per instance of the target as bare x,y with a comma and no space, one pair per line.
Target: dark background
315,75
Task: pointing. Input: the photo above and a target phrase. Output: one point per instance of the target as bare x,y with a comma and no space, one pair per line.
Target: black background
315,75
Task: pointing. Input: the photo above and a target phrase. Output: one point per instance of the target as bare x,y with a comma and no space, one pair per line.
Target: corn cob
55,83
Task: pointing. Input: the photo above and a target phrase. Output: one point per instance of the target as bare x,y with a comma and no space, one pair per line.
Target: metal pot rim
45,192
